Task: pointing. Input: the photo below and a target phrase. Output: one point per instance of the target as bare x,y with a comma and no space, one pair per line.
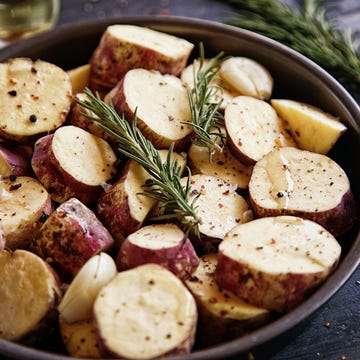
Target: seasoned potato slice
253,129
24,206
35,98
276,262
145,313
29,294
301,183
162,119
125,47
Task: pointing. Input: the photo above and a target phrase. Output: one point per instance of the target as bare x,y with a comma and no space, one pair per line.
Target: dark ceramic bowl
295,77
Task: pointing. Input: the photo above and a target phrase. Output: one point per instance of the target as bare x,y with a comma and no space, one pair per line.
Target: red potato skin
60,185
67,244
121,106
46,171
280,293
114,212
338,221
180,259
17,158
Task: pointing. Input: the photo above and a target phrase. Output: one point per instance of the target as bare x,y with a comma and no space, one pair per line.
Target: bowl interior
295,77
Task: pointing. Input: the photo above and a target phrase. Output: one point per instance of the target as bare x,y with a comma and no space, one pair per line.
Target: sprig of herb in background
307,30
204,111
164,184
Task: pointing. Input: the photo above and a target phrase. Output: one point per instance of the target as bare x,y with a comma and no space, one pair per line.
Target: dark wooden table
332,332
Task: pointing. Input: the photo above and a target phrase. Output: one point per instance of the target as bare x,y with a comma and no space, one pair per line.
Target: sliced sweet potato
276,262
125,47
73,163
14,159
253,129
162,119
122,208
223,316
163,244
301,183
218,206
24,206
145,313
35,98
223,165
80,338
29,292
312,128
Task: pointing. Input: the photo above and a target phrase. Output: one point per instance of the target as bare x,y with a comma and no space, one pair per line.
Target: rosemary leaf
164,185
307,30
204,112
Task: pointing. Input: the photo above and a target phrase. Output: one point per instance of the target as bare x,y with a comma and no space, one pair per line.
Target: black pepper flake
12,177
33,70
33,118
280,194
14,187
12,92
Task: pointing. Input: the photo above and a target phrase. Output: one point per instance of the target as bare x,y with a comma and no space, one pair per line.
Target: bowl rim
347,265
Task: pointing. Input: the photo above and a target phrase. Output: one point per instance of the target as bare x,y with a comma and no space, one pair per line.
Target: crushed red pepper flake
328,324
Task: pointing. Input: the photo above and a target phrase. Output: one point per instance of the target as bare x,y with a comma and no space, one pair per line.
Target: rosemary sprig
307,30
205,112
164,184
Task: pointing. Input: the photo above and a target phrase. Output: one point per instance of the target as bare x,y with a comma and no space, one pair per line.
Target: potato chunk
276,262
125,47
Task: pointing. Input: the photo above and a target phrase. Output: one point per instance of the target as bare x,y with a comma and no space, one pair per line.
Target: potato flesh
73,148
80,338
162,43
308,124
32,88
253,129
294,179
22,204
144,313
160,120
29,291
223,165
219,207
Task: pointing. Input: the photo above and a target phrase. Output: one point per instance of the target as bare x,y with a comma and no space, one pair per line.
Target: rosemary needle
205,112
164,184
307,30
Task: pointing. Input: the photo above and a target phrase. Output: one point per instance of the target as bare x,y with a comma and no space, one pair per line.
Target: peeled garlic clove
247,76
79,298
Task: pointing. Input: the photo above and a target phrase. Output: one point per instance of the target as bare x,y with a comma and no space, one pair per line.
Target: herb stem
165,183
